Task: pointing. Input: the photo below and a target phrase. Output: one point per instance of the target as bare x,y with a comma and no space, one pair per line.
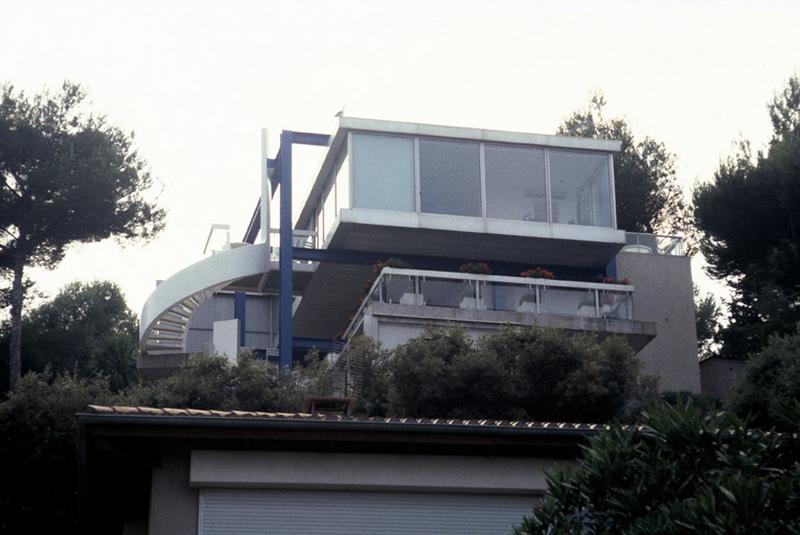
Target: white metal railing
306,239
639,242
495,292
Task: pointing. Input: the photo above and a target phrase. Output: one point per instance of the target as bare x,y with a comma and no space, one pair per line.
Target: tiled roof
302,416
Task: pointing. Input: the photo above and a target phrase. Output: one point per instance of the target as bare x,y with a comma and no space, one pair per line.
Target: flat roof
477,134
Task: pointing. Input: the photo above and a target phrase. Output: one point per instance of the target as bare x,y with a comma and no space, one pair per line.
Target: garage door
240,512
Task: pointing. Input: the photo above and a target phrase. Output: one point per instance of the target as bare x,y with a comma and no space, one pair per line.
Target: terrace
434,296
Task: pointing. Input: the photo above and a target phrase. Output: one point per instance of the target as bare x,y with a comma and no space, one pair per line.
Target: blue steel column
285,260
240,313
611,268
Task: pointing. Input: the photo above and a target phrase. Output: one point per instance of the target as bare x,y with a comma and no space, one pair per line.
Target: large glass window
446,178
383,172
515,183
450,179
580,186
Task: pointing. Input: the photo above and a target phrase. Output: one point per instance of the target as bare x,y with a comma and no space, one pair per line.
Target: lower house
186,471
720,376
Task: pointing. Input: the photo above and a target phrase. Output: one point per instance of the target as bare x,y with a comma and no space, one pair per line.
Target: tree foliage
771,381
749,214
65,176
87,329
707,313
515,373
683,472
648,195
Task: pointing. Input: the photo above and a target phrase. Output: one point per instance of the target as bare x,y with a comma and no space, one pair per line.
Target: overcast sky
196,81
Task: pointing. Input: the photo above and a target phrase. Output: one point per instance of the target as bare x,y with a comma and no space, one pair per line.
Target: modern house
404,226
537,210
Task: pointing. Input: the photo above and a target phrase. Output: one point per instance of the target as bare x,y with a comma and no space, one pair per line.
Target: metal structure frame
281,168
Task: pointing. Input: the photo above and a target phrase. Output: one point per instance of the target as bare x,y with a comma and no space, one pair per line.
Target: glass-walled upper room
456,177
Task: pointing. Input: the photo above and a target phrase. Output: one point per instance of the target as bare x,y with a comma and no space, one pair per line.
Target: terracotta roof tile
126,410
100,409
176,412
190,413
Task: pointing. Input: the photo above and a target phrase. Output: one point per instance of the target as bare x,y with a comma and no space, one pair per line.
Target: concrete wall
663,294
176,483
394,324
349,471
173,504
718,376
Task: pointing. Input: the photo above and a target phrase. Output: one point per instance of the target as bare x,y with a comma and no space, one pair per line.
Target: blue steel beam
254,225
307,138
240,313
349,256
282,174
300,138
325,346
276,166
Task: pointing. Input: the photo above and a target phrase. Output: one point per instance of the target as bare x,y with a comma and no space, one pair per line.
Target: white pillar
225,339
266,187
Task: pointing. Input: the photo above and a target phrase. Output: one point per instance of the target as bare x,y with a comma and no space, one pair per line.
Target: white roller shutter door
245,512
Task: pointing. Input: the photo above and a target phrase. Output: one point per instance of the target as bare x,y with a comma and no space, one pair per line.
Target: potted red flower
538,273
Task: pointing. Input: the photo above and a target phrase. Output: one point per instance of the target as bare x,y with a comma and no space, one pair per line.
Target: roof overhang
522,242
300,430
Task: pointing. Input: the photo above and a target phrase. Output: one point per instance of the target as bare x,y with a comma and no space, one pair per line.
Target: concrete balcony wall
394,324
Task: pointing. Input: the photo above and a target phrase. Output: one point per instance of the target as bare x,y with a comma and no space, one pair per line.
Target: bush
212,382
771,381
439,374
684,472
38,471
38,435
562,377
515,373
367,367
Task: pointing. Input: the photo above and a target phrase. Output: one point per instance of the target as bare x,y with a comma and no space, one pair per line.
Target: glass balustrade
498,293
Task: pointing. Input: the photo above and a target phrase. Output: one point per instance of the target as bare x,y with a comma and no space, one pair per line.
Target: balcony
638,242
430,296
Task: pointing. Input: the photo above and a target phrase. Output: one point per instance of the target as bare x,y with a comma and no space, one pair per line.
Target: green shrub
212,382
515,373
685,471
439,374
38,470
367,366
771,381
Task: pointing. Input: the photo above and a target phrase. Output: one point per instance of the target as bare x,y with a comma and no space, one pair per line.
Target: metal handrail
515,281
660,244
